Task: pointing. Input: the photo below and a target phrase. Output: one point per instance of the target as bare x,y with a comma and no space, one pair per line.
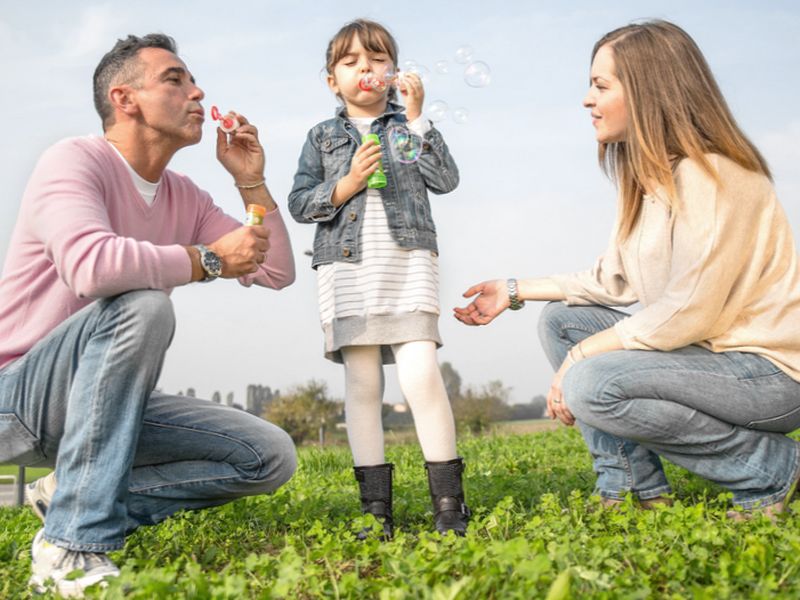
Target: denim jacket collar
391,110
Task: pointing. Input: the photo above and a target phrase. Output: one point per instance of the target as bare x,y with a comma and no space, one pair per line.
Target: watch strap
513,295
210,262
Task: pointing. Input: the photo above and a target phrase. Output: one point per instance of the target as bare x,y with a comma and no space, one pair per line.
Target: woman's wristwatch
513,295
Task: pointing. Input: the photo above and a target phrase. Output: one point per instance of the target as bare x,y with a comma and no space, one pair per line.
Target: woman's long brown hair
675,111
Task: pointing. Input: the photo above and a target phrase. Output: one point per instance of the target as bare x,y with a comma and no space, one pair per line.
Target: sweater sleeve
713,237
604,284
66,211
278,270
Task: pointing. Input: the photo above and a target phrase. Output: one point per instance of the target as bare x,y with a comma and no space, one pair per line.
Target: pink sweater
84,232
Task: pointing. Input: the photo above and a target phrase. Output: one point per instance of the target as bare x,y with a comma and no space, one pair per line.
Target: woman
707,373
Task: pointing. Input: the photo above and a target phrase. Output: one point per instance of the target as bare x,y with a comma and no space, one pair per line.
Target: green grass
536,533
30,474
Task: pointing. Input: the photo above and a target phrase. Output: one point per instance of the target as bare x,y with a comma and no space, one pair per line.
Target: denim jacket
326,158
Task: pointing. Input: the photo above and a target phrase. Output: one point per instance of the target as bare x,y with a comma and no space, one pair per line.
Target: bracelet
250,187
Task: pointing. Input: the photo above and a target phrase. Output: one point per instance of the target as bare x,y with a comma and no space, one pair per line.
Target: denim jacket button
326,144
346,252
353,216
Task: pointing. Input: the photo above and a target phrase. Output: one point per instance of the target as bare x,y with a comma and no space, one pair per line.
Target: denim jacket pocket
17,444
335,152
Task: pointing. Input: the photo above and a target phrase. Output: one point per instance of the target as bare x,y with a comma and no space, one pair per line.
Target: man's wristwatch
513,295
210,261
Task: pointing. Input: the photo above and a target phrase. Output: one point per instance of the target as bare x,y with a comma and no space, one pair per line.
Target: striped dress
390,297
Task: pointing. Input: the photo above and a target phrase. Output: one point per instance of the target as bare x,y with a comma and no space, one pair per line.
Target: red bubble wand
227,123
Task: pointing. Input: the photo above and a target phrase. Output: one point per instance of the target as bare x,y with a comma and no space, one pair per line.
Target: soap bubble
441,67
460,115
404,146
463,55
478,74
421,70
437,110
408,65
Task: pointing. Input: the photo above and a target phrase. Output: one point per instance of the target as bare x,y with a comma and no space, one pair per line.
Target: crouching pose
105,231
707,373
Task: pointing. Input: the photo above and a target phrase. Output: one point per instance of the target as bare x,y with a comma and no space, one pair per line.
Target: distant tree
215,397
539,404
452,380
477,408
303,410
532,410
191,393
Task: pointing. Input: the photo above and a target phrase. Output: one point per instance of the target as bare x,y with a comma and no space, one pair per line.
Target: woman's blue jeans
82,400
722,416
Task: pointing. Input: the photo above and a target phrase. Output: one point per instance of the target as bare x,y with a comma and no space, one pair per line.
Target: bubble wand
372,82
226,123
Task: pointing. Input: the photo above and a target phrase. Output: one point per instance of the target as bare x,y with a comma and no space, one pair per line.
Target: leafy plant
537,532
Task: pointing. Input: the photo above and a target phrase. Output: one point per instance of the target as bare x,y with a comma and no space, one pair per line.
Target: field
537,532
30,474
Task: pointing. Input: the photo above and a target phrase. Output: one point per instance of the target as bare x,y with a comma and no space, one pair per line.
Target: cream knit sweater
717,268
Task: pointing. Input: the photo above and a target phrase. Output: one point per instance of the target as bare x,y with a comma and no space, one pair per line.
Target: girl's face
347,74
606,99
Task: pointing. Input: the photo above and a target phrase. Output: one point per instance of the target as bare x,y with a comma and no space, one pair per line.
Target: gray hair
120,65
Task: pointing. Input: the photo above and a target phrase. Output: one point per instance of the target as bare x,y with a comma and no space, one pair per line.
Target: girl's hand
492,299
556,407
410,86
364,164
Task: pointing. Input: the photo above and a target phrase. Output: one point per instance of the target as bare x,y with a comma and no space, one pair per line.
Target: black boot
450,513
375,484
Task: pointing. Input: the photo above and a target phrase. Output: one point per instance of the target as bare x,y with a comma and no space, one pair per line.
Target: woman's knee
550,320
592,387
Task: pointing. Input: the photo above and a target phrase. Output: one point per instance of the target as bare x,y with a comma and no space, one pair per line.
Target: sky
531,202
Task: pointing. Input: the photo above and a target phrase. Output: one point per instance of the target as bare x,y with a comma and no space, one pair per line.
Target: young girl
376,259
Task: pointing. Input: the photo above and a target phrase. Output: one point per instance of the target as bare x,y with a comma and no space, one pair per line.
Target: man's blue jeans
722,415
82,400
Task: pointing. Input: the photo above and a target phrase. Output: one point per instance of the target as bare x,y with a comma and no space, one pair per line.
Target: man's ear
123,99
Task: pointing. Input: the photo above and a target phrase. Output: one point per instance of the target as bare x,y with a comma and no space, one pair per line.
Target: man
104,233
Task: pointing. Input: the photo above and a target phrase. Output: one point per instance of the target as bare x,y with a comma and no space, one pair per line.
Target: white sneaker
52,565
39,493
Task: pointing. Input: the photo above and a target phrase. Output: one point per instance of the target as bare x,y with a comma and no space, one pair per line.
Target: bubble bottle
255,214
378,178
226,123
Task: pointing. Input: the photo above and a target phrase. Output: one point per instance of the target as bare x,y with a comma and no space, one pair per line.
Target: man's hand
242,250
241,153
492,299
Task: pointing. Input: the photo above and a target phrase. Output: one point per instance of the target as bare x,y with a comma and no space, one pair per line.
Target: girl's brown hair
675,111
373,36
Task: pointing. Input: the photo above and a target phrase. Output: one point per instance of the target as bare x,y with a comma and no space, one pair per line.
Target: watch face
211,263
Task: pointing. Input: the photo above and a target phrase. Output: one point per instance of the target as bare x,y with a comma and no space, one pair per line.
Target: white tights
421,384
